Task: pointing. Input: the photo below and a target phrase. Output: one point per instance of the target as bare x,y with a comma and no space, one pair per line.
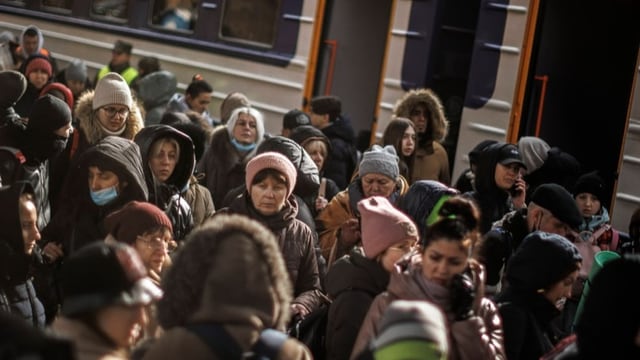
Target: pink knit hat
382,226
271,160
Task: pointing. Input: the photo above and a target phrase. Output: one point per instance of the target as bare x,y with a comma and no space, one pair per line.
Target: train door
580,79
351,58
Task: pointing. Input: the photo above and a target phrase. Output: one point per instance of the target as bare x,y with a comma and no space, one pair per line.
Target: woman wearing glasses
223,164
148,230
108,110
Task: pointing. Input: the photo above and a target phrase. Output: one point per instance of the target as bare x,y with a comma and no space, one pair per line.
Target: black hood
186,163
308,178
420,199
121,156
13,261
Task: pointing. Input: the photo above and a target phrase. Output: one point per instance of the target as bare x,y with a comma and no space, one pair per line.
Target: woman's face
163,159
506,175
113,117
408,141
561,290
152,248
588,204
394,253
38,78
318,152
29,224
377,185
420,117
442,259
245,131
102,179
122,324
269,195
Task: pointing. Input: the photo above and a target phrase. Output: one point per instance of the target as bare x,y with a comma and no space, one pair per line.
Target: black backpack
225,347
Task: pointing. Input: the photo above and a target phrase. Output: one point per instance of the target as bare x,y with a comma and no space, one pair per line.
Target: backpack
11,161
225,347
312,330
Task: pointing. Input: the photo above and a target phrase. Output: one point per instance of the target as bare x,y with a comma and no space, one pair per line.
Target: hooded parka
431,160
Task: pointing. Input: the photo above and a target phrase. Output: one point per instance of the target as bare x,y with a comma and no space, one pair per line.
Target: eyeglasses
157,243
111,111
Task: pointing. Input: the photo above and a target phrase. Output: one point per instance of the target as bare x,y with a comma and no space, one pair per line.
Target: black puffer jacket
168,195
17,294
352,283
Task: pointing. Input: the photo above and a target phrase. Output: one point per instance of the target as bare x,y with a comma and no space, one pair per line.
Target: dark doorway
587,50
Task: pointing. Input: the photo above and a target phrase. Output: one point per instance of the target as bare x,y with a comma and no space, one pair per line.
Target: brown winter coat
431,161
88,345
199,199
479,337
341,208
246,290
296,242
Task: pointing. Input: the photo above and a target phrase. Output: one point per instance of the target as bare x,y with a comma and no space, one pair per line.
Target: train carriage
564,70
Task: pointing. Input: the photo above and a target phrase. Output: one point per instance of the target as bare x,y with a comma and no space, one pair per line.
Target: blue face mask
104,196
242,147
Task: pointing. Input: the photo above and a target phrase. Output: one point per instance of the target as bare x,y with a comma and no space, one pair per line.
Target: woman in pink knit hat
445,275
270,179
357,278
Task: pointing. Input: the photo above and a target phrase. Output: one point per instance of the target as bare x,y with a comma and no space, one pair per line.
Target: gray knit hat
380,160
534,152
112,89
76,70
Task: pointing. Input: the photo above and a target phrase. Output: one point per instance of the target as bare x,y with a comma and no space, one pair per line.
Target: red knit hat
134,219
271,160
38,63
59,90
382,226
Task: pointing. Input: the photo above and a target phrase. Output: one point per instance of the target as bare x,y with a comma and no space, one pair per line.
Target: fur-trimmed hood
438,125
88,123
237,280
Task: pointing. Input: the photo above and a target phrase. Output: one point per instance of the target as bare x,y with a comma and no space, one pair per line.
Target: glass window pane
251,20
59,4
110,8
175,14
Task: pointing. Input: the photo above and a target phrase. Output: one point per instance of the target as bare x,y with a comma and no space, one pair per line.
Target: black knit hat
542,260
559,202
103,274
590,183
48,114
295,118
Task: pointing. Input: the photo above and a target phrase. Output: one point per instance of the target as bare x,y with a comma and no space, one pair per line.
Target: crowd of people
137,225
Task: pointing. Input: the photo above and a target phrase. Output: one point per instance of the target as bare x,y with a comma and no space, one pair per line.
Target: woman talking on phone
446,275
499,187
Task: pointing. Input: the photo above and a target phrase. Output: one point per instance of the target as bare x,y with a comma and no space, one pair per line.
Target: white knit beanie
112,89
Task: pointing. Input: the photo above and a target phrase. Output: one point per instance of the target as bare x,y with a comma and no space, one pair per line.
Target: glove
462,294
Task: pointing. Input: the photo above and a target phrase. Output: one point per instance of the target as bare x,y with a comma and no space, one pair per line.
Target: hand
52,252
349,233
462,295
321,203
518,196
299,311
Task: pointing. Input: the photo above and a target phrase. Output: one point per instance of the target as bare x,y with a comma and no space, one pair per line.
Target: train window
110,9
175,14
58,4
252,21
